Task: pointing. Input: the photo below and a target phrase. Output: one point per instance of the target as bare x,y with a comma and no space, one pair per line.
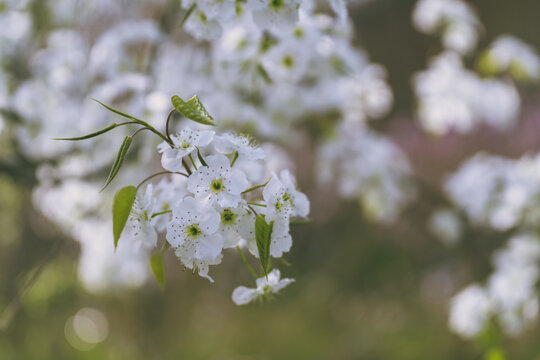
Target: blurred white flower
470,311
266,286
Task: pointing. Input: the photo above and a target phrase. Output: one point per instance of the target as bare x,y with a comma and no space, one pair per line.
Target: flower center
216,186
276,4
194,230
185,145
227,216
288,61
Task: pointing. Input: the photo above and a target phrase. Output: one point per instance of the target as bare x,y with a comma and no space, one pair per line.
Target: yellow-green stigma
216,186
194,230
288,61
228,217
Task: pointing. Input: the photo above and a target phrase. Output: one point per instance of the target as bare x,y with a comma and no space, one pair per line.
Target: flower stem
157,174
244,260
167,133
193,162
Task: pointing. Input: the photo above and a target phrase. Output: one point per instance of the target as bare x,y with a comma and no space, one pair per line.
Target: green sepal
193,109
263,236
119,160
255,187
158,269
94,134
122,203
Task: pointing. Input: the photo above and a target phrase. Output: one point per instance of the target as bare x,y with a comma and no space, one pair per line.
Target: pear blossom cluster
500,194
453,98
208,19
497,192
454,20
508,54
510,294
374,171
214,204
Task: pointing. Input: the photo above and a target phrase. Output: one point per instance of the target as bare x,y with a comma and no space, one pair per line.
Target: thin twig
245,261
158,174
167,125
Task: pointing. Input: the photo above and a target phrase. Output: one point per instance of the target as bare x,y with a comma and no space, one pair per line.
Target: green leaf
263,236
158,269
264,74
193,109
118,161
94,134
122,203
127,116
134,119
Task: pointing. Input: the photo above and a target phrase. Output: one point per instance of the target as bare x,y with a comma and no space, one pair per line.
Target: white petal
205,138
238,182
243,295
225,199
171,163
301,205
209,247
220,162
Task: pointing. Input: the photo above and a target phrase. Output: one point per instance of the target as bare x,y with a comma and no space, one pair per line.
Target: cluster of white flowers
509,54
497,192
510,295
212,207
208,19
373,170
453,98
501,194
455,20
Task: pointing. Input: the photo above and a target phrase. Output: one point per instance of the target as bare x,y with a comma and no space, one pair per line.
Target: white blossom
470,311
185,143
193,232
283,200
218,182
266,285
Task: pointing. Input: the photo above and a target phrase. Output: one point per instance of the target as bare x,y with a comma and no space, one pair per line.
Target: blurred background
422,242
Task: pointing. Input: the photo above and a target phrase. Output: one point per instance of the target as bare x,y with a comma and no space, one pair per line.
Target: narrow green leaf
158,269
264,74
263,236
193,109
127,116
255,187
187,15
134,119
201,159
122,203
118,161
94,134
